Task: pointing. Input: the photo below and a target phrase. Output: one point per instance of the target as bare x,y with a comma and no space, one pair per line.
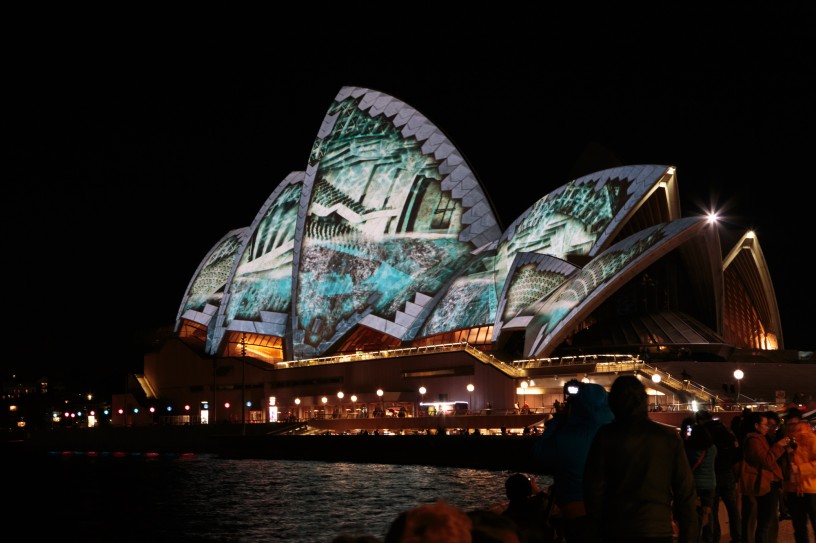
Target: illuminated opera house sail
387,239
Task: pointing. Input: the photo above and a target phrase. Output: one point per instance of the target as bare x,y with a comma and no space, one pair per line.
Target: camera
571,388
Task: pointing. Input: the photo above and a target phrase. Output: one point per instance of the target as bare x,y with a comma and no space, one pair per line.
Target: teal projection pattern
566,221
553,310
532,280
379,231
208,285
469,302
263,278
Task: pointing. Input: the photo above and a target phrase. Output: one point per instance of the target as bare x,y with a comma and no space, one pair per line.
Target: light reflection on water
202,498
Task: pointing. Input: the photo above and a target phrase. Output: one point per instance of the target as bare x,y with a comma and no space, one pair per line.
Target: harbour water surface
106,497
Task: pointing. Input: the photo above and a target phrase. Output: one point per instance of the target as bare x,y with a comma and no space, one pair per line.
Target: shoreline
489,452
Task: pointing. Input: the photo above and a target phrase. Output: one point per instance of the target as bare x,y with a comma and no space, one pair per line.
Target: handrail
604,363
369,355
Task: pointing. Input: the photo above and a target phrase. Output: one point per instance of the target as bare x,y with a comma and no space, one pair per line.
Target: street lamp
524,385
297,408
354,405
339,401
422,391
382,406
656,379
738,375
470,388
324,400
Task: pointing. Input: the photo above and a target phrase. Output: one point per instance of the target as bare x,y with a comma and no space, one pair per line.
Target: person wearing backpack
725,469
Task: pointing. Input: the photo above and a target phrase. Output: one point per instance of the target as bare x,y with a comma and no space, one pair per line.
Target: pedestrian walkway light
656,379
738,375
422,391
470,389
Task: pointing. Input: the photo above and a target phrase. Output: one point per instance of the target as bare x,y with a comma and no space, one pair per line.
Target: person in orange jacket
799,469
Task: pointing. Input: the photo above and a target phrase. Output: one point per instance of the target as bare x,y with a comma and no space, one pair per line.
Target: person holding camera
562,451
760,480
799,469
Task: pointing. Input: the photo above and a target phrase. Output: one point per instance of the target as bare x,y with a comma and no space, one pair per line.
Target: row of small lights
738,375
324,400
341,394
135,410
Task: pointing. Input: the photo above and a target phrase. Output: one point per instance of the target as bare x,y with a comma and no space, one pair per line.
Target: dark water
179,498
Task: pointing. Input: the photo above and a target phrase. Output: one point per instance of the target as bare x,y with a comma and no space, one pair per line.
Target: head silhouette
518,487
628,398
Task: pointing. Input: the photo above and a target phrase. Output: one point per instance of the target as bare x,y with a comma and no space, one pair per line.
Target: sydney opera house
380,277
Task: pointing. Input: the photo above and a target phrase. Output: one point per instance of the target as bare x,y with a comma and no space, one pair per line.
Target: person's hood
590,405
628,398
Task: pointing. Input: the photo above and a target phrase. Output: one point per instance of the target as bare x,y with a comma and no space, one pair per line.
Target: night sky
127,168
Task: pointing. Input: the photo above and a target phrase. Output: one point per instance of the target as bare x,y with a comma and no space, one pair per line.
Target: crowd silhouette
620,477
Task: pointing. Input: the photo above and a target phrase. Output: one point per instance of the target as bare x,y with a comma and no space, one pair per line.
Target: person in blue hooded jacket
562,450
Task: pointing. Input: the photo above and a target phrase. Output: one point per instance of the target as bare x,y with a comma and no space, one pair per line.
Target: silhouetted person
492,527
702,455
637,478
355,539
563,449
725,468
430,523
528,506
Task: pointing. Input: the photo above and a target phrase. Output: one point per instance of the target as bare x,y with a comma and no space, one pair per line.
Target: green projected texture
470,301
263,278
552,311
566,221
209,284
379,228
528,285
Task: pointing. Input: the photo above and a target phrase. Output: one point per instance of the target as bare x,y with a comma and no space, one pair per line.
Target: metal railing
371,355
603,363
